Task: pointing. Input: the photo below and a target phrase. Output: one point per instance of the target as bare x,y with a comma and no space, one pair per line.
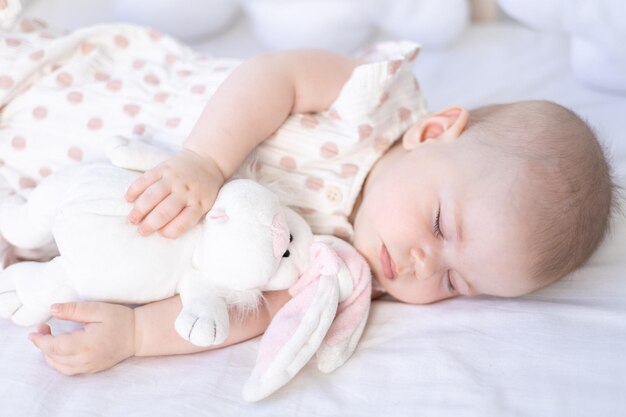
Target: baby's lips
387,263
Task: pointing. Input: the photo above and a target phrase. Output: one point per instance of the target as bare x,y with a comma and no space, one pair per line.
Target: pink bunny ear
298,329
347,328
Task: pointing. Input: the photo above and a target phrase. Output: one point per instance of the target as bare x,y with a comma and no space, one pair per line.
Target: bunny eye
290,238
286,254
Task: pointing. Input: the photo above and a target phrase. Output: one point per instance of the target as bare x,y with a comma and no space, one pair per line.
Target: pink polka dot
404,114
86,47
381,144
151,79
12,42
365,131
95,123
1,162
383,98
75,153
160,97
314,183
40,112
333,114
55,67
170,59
26,26
393,66
114,85
44,171
18,143
27,182
101,76
139,129
183,73
121,41
349,170
131,109
329,150
198,89
6,82
37,55
309,121
47,35
139,64
3,4
173,122
40,23
288,163
64,79
155,35
75,97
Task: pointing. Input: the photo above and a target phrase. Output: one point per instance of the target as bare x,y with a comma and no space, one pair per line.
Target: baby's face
443,220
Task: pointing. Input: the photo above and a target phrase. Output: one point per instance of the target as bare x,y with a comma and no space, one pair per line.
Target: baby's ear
445,124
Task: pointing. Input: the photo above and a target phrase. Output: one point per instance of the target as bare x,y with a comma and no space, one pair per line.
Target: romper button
333,194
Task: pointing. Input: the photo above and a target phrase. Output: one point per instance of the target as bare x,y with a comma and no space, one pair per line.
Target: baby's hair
567,165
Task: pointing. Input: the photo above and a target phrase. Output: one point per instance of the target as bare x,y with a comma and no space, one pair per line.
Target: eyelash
449,282
436,225
440,235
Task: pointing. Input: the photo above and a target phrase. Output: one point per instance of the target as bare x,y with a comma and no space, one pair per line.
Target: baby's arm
246,109
113,333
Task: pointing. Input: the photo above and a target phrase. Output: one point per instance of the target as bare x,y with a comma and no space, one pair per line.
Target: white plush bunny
248,243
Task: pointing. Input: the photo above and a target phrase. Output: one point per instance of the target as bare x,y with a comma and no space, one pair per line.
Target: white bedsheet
558,352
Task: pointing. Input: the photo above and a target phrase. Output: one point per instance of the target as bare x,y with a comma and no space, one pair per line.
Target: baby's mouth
389,267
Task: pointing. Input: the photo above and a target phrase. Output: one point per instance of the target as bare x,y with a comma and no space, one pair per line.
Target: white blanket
557,352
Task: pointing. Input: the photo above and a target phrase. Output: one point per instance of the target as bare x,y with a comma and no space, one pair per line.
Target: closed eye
449,284
436,227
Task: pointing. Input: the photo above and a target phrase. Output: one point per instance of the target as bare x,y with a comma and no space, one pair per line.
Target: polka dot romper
64,95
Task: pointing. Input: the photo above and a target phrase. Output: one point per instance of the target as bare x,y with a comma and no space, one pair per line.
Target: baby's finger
187,219
66,367
63,345
43,329
140,184
148,200
162,214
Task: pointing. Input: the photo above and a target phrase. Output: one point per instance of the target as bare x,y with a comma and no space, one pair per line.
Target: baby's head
501,200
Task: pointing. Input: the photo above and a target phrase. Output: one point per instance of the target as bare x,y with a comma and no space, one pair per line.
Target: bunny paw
204,326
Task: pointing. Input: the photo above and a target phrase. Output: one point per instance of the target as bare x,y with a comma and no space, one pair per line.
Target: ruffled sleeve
382,98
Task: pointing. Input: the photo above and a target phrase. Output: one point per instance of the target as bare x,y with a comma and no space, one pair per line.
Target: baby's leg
28,289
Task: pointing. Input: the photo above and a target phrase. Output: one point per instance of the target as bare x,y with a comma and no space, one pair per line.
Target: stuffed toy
247,243
597,32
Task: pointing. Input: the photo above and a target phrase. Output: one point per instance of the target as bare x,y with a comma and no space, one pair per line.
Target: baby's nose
423,265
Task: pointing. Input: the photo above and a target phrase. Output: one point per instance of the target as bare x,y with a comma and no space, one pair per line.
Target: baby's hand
107,338
173,196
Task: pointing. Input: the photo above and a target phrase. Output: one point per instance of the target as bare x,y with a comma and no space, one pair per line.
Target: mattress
557,352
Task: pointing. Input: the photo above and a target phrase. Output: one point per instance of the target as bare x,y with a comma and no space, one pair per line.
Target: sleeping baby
500,200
